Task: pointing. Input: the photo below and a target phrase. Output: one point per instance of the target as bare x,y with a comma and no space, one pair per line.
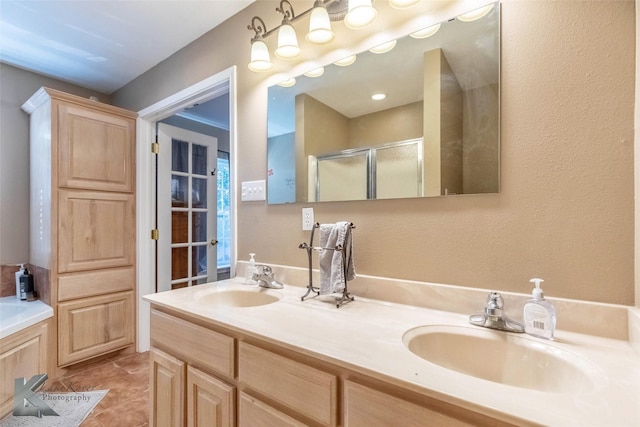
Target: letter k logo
24,392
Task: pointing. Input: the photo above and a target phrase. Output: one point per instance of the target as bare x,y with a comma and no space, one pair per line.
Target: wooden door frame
200,92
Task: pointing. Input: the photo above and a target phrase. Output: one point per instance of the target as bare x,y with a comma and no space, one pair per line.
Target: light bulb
425,32
402,4
287,43
384,47
360,14
316,72
476,14
260,59
319,26
288,83
346,61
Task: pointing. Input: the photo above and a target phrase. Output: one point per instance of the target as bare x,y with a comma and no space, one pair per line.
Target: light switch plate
253,190
307,219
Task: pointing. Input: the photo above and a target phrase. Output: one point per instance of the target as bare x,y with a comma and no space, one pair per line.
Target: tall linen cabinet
82,230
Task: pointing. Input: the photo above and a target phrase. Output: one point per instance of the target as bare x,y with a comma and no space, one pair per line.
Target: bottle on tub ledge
539,314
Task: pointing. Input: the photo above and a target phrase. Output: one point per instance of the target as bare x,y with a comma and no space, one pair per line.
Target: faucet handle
495,304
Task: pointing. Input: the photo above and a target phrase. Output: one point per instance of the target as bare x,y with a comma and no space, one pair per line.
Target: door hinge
155,234
155,147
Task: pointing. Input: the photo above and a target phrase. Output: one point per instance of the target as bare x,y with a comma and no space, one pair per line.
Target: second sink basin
238,297
504,358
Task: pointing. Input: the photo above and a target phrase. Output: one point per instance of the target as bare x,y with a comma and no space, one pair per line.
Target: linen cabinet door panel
166,386
96,230
210,402
93,326
96,149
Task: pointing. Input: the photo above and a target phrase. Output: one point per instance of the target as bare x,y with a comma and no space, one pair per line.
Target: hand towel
332,263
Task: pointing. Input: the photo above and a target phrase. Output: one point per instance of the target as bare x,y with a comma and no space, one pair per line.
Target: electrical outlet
307,219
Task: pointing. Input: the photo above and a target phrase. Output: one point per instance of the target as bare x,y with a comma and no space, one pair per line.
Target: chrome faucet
494,316
265,278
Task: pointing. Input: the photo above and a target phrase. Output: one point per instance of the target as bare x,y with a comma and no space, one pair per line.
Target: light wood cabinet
83,220
166,383
210,402
94,325
23,354
268,385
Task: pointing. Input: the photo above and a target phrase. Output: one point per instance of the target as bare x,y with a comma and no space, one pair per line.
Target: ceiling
103,44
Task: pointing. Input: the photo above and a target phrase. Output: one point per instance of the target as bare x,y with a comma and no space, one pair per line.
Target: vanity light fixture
288,82
287,39
260,59
316,72
476,14
378,96
425,32
361,13
384,47
319,24
346,61
402,4
355,13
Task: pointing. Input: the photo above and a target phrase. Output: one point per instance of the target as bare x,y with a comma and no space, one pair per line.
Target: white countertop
366,336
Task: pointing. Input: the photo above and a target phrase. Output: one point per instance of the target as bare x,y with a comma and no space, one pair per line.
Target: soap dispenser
539,314
19,274
251,270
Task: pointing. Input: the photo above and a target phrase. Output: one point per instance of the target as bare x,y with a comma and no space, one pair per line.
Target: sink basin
509,359
238,298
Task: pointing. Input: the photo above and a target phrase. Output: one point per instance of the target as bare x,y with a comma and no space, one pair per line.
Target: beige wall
566,209
16,86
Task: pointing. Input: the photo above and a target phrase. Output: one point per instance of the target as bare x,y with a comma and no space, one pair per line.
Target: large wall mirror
435,131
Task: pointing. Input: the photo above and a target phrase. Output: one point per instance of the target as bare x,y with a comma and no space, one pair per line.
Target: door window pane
199,227
199,198
179,156
179,263
199,260
199,159
179,191
179,227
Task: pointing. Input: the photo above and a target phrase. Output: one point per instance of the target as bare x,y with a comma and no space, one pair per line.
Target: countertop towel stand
346,297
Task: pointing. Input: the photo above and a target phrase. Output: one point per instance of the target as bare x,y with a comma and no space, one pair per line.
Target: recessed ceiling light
384,47
378,96
317,72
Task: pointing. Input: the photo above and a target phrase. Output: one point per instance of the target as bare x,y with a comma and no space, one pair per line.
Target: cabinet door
210,402
96,149
88,327
166,385
95,230
22,354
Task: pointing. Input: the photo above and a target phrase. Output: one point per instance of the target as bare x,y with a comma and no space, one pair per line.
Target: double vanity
228,353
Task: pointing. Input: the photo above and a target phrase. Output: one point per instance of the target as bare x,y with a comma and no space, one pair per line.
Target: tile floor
126,377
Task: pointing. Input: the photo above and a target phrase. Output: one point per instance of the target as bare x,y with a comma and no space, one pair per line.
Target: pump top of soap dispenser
252,260
537,291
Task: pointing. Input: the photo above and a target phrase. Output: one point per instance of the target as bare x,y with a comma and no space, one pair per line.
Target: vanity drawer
194,344
252,412
309,391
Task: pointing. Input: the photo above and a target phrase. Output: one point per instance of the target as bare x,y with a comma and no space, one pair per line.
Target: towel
332,263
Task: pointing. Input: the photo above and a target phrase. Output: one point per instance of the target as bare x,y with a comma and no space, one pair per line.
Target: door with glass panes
187,208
